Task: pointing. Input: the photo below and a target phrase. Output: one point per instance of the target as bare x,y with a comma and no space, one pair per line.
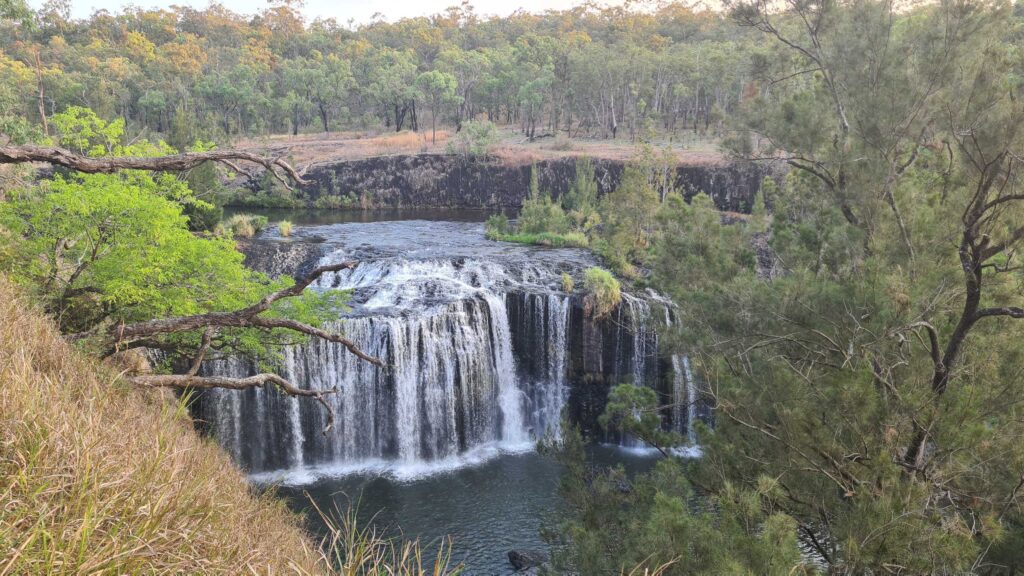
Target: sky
360,11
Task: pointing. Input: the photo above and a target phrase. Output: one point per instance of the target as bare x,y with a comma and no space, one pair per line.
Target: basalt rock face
444,181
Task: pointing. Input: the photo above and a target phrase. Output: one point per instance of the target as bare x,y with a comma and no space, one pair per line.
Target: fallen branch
176,162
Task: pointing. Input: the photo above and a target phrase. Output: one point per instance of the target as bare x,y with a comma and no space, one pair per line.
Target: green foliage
103,249
567,283
285,228
634,411
188,73
540,214
100,249
476,138
497,226
694,250
580,202
330,202
604,293
243,225
549,239
617,524
627,216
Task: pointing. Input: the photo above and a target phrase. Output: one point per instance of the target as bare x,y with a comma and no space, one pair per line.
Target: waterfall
685,393
691,402
483,351
455,380
510,398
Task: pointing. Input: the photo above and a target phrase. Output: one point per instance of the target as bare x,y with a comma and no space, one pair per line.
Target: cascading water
685,394
453,381
477,337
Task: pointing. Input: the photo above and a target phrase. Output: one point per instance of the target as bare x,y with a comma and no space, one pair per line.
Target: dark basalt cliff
444,181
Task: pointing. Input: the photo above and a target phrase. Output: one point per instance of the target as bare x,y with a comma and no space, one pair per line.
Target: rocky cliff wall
444,181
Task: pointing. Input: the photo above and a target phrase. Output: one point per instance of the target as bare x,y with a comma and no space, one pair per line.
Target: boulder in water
523,559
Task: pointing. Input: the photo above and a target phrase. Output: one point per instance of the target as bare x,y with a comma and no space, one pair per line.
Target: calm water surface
488,508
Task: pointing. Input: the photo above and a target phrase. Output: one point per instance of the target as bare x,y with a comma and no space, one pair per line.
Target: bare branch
177,162
184,381
1008,311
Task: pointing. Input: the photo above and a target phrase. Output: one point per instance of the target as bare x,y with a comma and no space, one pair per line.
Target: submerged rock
524,559
277,256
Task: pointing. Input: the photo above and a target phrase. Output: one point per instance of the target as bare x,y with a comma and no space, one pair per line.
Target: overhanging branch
176,162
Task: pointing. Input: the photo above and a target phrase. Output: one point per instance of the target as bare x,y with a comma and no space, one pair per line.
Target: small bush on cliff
497,226
245,225
541,214
604,293
567,283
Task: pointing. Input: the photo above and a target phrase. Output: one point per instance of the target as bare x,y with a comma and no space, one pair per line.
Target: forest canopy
215,74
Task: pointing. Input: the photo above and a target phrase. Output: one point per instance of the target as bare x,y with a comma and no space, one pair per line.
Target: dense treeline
603,72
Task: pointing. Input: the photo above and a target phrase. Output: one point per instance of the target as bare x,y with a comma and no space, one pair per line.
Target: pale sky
342,10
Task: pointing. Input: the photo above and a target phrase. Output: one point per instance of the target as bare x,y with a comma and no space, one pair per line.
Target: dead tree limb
175,163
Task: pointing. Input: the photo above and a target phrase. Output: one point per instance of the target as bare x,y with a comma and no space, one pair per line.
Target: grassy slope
96,477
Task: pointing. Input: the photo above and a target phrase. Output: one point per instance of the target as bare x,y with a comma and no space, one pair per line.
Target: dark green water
487,508
323,217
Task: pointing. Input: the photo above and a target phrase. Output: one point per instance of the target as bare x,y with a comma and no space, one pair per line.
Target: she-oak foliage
867,400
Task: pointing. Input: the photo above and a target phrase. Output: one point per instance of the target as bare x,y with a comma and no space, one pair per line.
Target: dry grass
309,149
99,478
512,149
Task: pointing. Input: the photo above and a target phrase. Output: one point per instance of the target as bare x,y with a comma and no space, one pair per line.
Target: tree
438,88
876,391
110,255
628,217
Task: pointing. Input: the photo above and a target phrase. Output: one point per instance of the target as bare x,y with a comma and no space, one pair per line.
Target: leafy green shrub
285,228
476,138
633,410
497,226
567,284
580,202
345,202
604,292
202,216
541,215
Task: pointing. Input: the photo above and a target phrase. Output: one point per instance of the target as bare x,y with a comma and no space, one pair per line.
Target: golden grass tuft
97,477
403,142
